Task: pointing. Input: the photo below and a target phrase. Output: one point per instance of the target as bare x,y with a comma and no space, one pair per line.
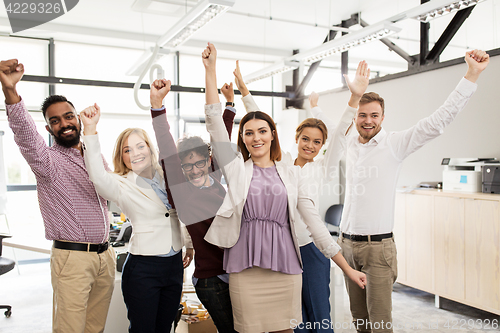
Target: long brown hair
275,151
314,123
120,167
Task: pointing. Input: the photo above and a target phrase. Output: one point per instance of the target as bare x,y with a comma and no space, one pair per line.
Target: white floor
29,292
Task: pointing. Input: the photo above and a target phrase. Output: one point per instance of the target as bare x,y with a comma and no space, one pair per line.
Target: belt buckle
102,247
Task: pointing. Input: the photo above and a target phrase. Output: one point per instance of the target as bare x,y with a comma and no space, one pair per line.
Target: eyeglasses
189,166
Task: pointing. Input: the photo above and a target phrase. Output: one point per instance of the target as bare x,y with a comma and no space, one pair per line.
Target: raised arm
209,57
177,187
408,141
166,144
319,114
215,126
246,97
106,184
228,118
338,141
30,142
229,112
238,79
11,73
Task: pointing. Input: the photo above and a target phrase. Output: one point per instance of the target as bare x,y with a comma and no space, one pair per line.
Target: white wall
474,133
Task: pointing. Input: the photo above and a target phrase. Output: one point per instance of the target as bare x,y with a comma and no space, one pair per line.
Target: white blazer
152,232
324,168
225,229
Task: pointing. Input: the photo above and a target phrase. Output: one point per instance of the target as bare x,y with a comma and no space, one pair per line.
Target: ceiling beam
448,34
130,85
393,47
424,40
300,88
312,69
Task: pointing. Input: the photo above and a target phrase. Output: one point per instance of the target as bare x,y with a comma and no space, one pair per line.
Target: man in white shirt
373,162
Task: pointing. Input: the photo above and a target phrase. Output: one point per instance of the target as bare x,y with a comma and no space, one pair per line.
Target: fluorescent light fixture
196,18
437,8
276,68
346,42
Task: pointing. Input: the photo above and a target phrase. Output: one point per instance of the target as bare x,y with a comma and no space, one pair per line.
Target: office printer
464,174
491,178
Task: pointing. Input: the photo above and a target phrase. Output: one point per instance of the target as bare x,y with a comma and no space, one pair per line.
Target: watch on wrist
230,104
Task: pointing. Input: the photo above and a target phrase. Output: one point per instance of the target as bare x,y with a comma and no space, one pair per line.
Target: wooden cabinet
482,251
400,235
419,245
450,245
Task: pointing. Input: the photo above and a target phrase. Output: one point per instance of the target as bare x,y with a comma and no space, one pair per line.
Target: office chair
333,216
6,265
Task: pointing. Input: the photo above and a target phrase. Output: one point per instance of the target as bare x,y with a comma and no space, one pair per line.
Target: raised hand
159,89
238,79
228,92
477,61
313,99
209,55
11,73
361,79
90,117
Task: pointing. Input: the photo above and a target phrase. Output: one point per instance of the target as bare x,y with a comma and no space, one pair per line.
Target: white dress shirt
373,168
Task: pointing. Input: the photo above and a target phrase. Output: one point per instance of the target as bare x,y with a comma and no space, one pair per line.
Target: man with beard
75,217
373,160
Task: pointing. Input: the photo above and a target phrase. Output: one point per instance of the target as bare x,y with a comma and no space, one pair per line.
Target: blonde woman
152,274
256,222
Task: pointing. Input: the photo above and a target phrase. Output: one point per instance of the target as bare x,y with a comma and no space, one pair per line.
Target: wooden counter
449,245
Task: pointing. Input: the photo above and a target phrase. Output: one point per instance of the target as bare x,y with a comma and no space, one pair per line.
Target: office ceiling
265,30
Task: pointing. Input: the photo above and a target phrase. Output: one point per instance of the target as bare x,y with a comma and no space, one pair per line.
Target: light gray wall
474,133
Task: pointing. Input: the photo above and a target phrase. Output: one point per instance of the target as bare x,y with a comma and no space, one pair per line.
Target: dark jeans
151,288
315,291
214,294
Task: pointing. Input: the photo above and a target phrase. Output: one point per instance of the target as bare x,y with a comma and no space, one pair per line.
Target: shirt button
167,214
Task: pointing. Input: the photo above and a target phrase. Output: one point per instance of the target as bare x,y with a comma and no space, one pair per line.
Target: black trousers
152,288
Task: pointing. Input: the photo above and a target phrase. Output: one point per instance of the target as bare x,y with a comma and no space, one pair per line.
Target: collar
69,150
156,179
212,181
376,139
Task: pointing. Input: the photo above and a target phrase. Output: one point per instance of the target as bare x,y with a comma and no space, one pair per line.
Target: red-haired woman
256,222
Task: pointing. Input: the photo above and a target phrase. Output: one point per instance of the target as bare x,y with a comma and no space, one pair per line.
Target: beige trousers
83,284
371,308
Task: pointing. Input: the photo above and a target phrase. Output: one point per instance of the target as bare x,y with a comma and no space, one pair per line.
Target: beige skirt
264,300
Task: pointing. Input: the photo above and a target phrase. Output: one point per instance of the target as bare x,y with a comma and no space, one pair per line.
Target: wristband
230,104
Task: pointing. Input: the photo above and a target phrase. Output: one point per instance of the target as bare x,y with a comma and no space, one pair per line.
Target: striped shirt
70,206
